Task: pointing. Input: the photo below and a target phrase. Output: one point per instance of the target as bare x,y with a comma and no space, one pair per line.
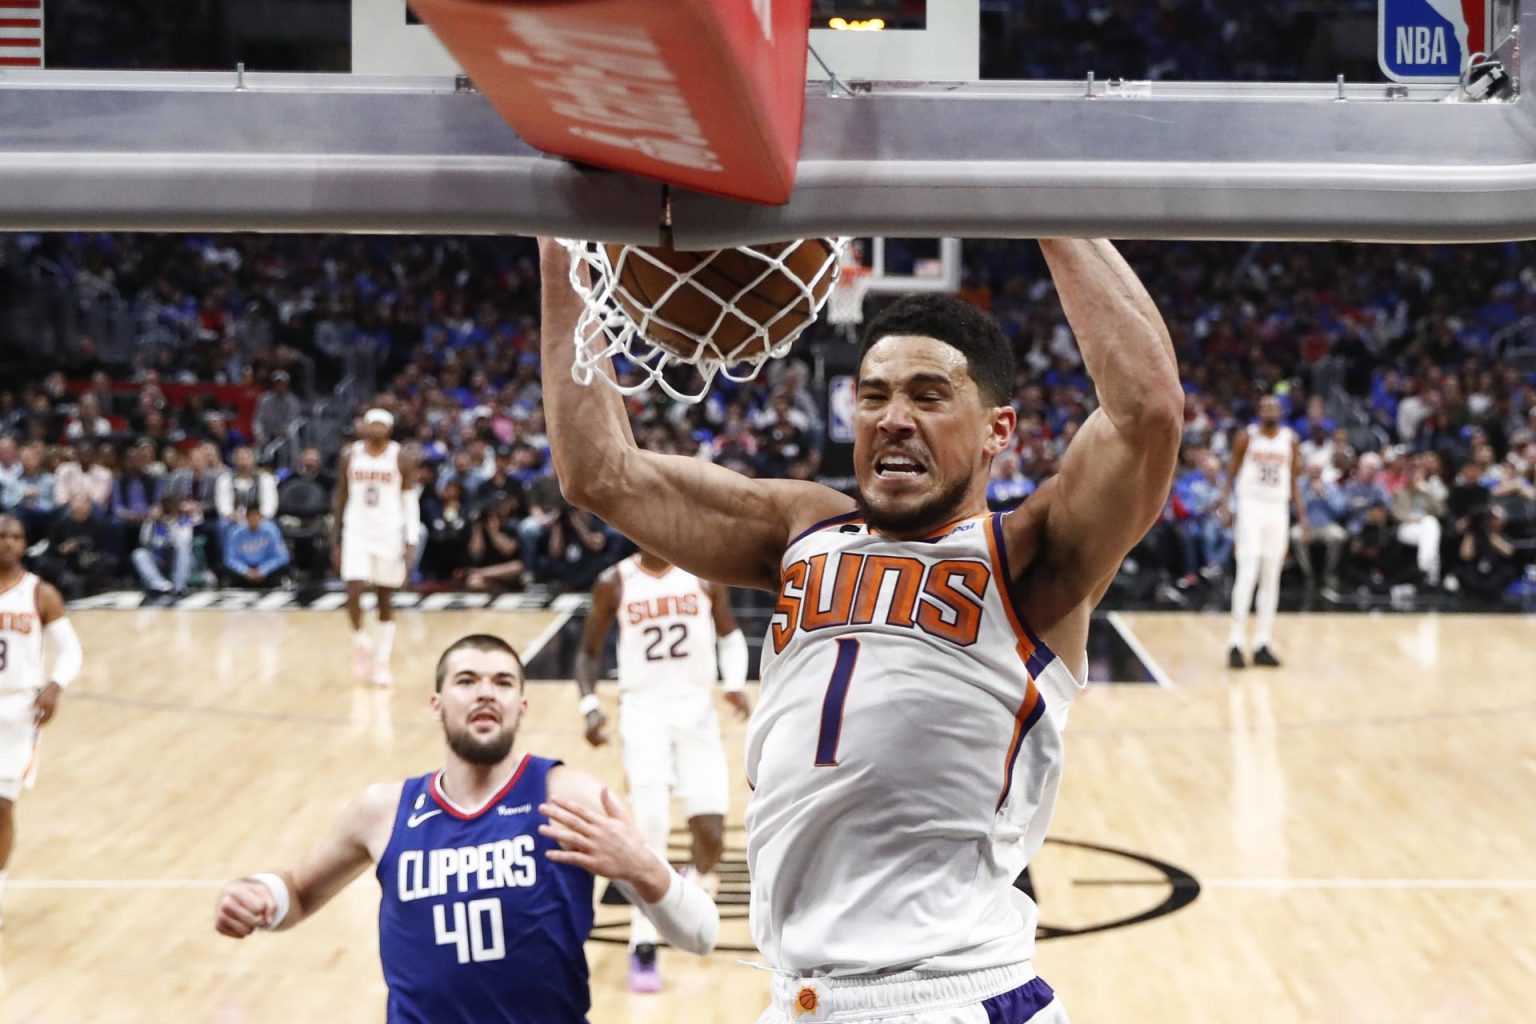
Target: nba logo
841,393
1431,40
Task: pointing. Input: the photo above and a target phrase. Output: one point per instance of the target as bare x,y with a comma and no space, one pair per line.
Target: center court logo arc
1081,887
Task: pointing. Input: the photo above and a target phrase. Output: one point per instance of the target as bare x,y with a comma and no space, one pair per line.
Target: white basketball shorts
672,739
378,563
1263,530
18,743
1002,995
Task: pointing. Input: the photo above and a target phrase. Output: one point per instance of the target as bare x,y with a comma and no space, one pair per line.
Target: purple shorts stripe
1020,1005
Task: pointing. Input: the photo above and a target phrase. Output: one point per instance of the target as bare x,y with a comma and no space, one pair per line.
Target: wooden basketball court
1355,829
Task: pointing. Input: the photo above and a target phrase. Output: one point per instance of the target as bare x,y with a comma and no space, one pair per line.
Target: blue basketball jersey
476,924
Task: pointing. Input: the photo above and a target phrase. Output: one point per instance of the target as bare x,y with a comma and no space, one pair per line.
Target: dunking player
30,610
1266,472
377,527
669,621
486,866
907,746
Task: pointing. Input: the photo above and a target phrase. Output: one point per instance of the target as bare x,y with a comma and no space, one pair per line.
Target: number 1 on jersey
832,705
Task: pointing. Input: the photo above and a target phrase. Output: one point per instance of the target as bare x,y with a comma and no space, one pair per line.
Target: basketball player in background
30,611
906,748
1266,473
377,527
670,625
486,866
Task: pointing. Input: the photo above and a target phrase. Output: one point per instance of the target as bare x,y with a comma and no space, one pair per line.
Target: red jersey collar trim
435,787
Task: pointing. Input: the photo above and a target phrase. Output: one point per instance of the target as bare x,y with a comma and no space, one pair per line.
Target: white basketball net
607,327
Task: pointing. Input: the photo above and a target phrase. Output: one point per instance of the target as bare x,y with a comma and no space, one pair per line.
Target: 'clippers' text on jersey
476,923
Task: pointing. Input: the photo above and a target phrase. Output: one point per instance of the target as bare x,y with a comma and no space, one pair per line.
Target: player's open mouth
898,467
484,716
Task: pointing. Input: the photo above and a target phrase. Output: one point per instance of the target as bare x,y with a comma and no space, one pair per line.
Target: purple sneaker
642,969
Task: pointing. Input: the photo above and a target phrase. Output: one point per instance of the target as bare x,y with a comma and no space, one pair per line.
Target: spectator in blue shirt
1201,493
1325,506
29,497
134,494
1362,491
165,545
1008,485
254,551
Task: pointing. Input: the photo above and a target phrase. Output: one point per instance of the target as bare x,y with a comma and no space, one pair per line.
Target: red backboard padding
705,94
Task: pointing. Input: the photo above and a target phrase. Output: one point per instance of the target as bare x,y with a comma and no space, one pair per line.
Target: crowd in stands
1418,431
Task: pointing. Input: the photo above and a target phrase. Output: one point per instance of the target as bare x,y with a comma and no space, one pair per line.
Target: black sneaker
1262,656
1235,659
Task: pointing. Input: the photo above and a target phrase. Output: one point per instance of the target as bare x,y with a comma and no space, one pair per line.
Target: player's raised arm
281,899
710,521
1117,471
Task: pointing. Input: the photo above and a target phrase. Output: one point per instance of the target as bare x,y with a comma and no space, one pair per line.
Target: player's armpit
1110,490
706,519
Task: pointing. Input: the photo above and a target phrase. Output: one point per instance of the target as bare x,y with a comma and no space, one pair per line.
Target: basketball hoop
845,306
724,313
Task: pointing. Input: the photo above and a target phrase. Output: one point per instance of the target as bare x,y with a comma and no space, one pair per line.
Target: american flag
21,33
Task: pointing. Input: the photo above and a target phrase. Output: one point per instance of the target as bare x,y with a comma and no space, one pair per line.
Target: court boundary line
1139,649
1403,884
545,635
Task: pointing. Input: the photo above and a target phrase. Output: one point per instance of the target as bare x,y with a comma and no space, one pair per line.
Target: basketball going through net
726,312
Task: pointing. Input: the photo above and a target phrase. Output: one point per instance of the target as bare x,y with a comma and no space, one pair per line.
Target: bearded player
485,865
906,749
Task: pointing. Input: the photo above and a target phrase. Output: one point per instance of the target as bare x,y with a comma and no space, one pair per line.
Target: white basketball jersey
374,510
21,636
1266,473
904,755
666,630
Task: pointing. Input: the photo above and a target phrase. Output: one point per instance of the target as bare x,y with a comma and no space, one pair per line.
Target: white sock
2,883
360,639
386,643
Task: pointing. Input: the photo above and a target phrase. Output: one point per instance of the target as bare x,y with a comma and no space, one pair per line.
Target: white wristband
589,704
279,890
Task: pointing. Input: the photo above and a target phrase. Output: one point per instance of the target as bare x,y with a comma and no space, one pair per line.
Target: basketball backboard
387,39
1066,124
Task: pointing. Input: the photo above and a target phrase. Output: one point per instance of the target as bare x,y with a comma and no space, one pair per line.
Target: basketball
728,298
